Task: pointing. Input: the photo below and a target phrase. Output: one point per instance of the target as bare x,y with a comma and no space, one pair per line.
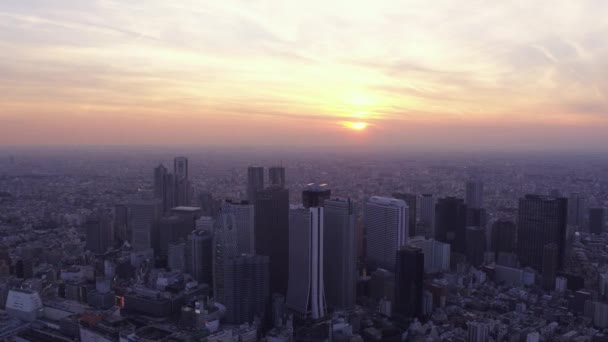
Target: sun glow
357,126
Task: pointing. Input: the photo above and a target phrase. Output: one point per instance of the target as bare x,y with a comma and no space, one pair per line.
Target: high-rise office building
244,223
340,253
410,200
503,237
271,231
200,254
450,223
255,182
181,181
164,187
542,220
171,229
549,268
315,195
427,214
576,210
225,246
409,277
386,221
99,235
474,194
476,245
176,256
597,220
436,254
122,231
276,176
246,288
144,216
305,291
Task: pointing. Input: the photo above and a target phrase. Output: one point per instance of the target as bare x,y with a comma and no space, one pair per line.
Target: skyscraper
244,223
164,187
182,181
171,229
503,237
272,233
201,256
315,195
225,246
410,200
305,291
427,214
176,256
246,283
144,216
576,210
386,222
99,235
340,253
255,182
474,194
122,230
450,223
549,268
542,220
476,245
409,277
597,220
276,175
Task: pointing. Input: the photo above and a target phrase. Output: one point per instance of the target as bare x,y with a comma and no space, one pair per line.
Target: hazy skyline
479,74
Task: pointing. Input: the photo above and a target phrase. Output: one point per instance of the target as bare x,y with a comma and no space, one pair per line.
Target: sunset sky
473,73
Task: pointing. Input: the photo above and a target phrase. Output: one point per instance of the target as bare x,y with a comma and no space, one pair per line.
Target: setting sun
357,126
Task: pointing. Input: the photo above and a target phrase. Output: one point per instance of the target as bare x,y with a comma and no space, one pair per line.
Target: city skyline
473,75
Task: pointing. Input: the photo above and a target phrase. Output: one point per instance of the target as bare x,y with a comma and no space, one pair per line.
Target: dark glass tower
255,182
542,220
315,194
340,258
409,277
181,181
503,237
476,245
246,284
597,220
450,222
276,176
272,234
410,200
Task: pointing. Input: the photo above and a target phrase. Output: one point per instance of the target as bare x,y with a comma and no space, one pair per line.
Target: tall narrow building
476,245
340,255
225,246
549,268
386,222
246,288
200,256
181,181
306,291
255,182
144,216
410,200
276,176
474,195
164,187
99,234
597,220
503,237
427,214
271,231
244,223
576,210
450,223
409,278
542,220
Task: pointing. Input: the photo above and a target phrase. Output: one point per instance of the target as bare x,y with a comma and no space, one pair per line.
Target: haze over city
471,75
